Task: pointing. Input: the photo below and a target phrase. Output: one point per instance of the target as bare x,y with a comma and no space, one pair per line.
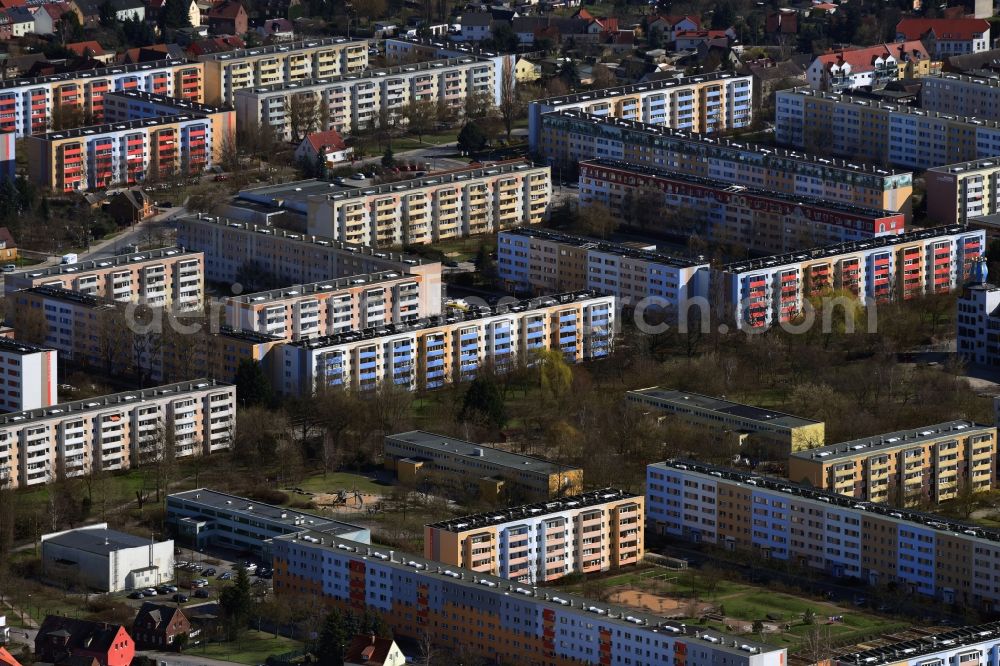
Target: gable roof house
157,626
371,650
873,66
329,144
228,17
61,637
946,37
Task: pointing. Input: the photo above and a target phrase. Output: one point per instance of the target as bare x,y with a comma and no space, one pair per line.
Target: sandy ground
329,501
670,607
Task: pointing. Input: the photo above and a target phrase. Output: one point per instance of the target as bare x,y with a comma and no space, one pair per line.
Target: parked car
225,576
137,595
359,176
150,592
202,593
180,598
209,572
166,204
9,268
180,564
221,177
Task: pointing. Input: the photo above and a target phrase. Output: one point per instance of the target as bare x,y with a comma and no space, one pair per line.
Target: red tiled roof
84,49
7,4
368,650
225,9
56,9
6,658
963,29
331,139
608,24
825,6
863,59
216,45
674,20
585,15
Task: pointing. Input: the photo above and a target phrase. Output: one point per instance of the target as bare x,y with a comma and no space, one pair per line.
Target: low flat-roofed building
489,469
948,646
773,428
204,518
106,560
932,463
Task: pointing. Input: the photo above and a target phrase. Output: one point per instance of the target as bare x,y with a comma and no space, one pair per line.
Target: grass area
412,143
334,481
254,647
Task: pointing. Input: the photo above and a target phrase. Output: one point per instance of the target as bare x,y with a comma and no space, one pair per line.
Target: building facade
515,623
229,71
455,204
28,376
169,276
449,348
113,432
355,100
933,463
569,137
763,292
704,104
923,554
335,306
871,66
751,218
774,429
288,257
205,518
488,469
588,533
8,160
977,96
865,128
963,645
28,105
957,193
947,36
977,324
106,560
546,262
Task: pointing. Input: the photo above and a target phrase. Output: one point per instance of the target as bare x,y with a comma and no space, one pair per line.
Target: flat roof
766,153
460,447
452,317
87,300
535,510
271,49
249,508
727,186
609,247
929,644
324,286
100,540
889,441
825,251
93,73
764,416
843,98
363,75
635,88
99,403
175,102
931,521
971,165
551,598
121,126
253,337
21,347
83,267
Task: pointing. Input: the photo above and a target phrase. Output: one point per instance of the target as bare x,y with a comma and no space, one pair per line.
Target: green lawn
400,144
334,481
253,648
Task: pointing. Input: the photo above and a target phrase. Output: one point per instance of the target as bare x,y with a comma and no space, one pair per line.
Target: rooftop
635,89
971,165
100,541
687,399
842,98
765,154
110,262
107,128
112,400
788,199
891,440
603,246
93,73
454,446
374,74
253,337
843,248
548,598
282,48
20,347
174,102
248,508
525,511
506,306
336,284
909,650
87,300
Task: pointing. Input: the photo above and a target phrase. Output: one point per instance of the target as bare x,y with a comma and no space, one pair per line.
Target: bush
267,495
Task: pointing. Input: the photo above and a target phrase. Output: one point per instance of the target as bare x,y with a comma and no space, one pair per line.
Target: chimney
372,636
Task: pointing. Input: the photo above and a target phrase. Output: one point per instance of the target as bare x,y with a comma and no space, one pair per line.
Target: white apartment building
454,204
354,101
169,276
978,321
115,432
28,376
959,192
430,353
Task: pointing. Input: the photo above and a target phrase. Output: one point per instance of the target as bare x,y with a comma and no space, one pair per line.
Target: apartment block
978,323
776,430
114,432
505,621
763,292
947,36
977,95
959,192
8,161
227,72
355,100
865,128
27,105
838,535
705,103
164,277
448,348
157,137
290,258
454,204
29,376
871,66
951,647
335,306
205,518
568,137
908,467
587,533
755,219
546,261
484,468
